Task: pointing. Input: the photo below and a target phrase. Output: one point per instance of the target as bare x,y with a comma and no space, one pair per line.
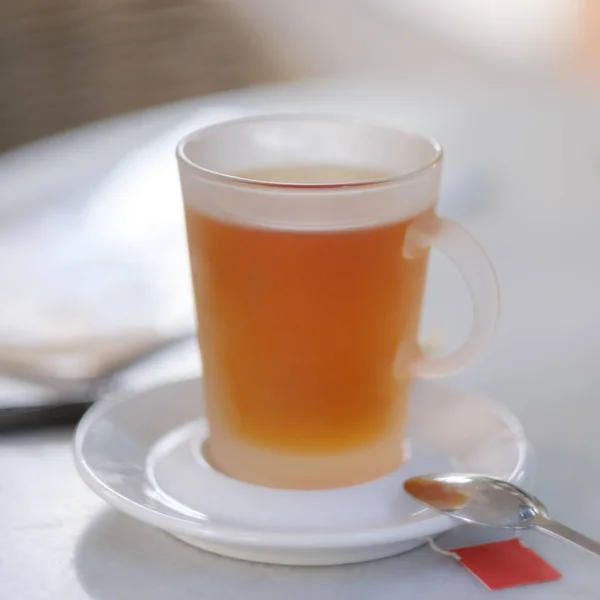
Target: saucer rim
243,536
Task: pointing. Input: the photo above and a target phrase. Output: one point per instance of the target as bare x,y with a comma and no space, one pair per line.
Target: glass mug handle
466,253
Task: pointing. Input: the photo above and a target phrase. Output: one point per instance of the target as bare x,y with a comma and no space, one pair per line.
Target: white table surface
524,176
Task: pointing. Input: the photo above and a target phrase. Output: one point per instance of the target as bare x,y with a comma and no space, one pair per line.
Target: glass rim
438,152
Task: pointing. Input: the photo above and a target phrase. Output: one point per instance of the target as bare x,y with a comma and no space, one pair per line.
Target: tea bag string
441,551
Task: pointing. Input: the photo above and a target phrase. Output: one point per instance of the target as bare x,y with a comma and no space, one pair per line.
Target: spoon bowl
482,500
477,499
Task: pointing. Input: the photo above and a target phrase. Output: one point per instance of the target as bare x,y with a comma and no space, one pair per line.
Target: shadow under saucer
118,558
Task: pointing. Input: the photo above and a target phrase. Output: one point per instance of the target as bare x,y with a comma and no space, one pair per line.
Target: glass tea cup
309,242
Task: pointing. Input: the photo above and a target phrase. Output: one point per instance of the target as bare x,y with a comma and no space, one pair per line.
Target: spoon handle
562,532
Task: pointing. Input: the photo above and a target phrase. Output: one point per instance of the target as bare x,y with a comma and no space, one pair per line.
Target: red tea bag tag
504,564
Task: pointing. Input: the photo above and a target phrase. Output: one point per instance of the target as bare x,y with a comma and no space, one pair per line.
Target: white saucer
141,453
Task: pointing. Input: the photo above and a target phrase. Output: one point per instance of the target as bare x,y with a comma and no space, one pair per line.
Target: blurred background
64,63
93,97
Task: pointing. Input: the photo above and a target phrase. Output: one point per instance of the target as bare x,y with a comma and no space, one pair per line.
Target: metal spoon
482,500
